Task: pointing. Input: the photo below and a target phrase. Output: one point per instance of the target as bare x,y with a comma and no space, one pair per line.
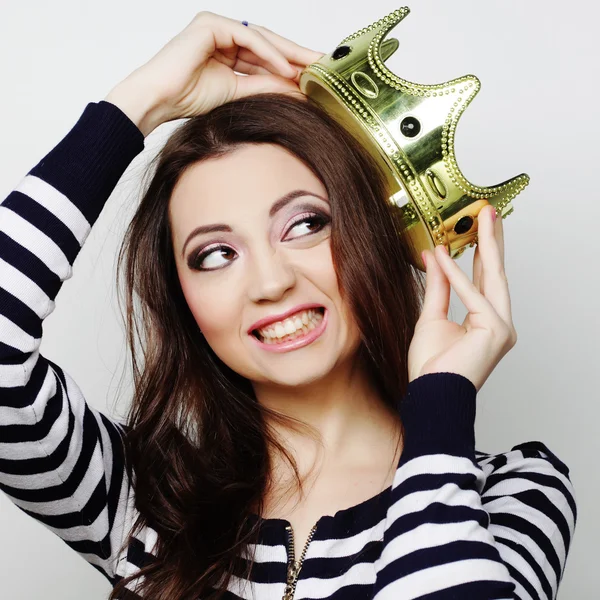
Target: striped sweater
455,523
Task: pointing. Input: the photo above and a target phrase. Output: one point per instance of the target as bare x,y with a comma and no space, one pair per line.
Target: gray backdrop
537,112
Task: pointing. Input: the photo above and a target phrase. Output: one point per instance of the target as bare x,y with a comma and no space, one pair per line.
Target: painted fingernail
494,216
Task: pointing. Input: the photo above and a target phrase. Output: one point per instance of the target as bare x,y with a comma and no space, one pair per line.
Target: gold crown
409,129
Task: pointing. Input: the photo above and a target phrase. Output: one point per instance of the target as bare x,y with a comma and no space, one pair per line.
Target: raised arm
458,529
61,461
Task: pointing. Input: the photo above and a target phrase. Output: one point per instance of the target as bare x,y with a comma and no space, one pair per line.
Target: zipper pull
292,574
292,571
294,566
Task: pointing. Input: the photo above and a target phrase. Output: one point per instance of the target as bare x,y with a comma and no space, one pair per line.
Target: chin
297,378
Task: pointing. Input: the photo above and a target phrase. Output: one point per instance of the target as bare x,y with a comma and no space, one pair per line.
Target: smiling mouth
302,323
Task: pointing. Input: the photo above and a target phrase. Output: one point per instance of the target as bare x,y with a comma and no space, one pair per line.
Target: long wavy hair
197,440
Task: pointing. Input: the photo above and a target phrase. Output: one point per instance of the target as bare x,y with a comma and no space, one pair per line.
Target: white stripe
449,494
315,587
339,548
444,576
14,336
520,564
47,445
107,443
265,553
25,289
539,466
94,474
485,462
94,532
36,241
542,521
430,535
436,464
17,375
28,415
57,203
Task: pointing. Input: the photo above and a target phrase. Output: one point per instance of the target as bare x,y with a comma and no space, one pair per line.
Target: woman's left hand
474,348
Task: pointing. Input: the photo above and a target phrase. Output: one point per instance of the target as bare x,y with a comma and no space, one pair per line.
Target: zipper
294,566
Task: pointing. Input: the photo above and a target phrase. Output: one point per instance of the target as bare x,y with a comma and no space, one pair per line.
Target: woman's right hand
198,70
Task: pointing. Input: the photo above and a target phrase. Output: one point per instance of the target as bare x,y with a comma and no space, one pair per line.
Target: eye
208,259
311,222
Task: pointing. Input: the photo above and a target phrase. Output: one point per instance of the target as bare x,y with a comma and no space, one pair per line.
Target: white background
537,112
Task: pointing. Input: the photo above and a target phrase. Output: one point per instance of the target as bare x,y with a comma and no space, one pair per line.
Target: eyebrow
276,207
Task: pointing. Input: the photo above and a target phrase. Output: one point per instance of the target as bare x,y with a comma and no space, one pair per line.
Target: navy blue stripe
100,549
432,481
541,479
67,488
88,514
46,222
538,500
137,555
520,549
41,464
348,592
22,316
535,450
38,431
525,526
436,513
30,265
476,590
434,556
11,356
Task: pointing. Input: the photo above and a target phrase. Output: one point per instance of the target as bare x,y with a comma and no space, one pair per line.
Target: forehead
241,184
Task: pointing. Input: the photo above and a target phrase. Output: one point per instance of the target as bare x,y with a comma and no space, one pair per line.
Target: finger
499,232
246,37
295,53
477,268
437,291
485,220
260,84
245,57
491,249
248,68
477,265
491,307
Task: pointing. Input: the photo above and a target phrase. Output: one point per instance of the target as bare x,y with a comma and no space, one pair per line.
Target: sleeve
531,503
445,512
61,461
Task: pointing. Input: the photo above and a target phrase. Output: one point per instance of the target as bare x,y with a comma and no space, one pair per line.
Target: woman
303,419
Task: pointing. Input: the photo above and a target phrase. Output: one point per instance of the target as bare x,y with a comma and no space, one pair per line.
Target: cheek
217,314
326,274
317,266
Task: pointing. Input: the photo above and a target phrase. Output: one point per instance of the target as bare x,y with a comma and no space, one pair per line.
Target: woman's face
251,237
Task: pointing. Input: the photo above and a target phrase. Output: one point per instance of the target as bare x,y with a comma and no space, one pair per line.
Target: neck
355,426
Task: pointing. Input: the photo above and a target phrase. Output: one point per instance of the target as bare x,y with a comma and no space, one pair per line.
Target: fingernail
423,258
444,249
494,216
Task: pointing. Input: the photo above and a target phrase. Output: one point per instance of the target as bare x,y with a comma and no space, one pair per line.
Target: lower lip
296,343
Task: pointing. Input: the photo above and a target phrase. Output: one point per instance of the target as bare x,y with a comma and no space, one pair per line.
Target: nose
270,275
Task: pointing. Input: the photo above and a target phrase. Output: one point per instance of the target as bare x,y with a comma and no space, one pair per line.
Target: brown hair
197,439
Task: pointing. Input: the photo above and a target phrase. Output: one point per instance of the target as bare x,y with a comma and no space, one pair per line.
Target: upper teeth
307,319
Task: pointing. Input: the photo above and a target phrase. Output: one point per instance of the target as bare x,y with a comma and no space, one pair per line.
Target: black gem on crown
340,52
463,225
410,127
